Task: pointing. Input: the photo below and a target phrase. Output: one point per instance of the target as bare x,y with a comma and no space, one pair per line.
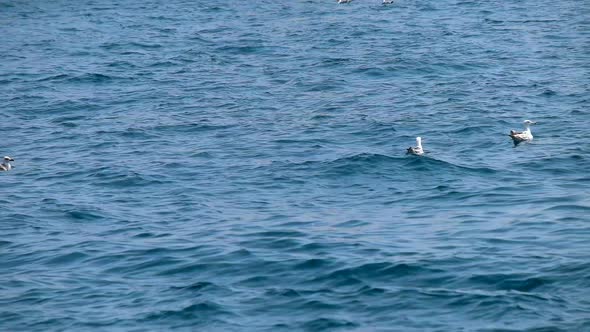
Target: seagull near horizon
417,150
6,166
522,136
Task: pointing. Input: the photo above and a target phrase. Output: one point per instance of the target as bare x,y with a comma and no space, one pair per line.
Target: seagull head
529,122
7,159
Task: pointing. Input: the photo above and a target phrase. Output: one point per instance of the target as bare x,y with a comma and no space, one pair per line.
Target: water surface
240,166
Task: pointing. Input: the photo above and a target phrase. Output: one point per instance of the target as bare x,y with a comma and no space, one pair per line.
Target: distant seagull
387,2
6,166
417,150
344,1
522,136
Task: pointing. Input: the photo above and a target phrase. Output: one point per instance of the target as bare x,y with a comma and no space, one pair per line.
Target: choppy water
239,166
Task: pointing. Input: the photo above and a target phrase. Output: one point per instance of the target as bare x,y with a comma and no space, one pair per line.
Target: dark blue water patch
201,312
70,121
122,64
66,259
93,78
123,179
521,283
130,45
569,211
371,271
5,243
55,77
199,286
163,64
328,324
205,125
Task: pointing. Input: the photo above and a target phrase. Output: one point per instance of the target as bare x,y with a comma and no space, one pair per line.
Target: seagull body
523,136
417,150
6,166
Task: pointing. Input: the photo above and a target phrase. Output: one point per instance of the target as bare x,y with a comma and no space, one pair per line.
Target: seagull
417,150
386,2
522,136
6,166
344,1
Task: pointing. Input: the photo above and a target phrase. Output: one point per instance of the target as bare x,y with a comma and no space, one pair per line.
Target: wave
514,281
67,259
58,77
84,215
92,78
125,46
372,272
192,127
324,324
84,78
570,208
369,162
122,178
241,50
204,311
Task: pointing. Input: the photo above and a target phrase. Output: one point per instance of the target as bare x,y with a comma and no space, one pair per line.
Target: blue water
240,166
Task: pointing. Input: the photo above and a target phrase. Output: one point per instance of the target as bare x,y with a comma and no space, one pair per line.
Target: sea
241,165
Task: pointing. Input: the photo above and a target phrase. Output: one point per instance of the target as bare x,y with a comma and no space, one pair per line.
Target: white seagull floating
6,166
522,136
417,150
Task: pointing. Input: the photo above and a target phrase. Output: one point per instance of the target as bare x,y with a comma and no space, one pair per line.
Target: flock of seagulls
517,137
